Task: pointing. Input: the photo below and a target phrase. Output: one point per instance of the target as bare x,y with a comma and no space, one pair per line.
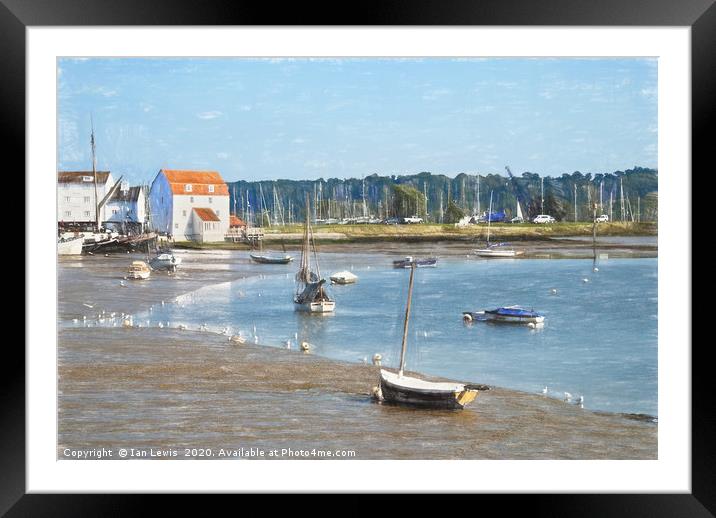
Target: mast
478,194
94,176
489,219
407,317
575,202
542,193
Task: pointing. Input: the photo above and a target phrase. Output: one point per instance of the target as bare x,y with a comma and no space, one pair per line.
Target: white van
602,219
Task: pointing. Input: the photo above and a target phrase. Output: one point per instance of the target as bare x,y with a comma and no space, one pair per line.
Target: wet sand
172,389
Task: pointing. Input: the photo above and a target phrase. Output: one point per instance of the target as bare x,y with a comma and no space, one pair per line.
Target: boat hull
325,306
425,398
270,260
70,246
513,319
138,275
495,253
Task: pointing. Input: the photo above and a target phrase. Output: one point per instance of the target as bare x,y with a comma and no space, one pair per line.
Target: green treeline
629,195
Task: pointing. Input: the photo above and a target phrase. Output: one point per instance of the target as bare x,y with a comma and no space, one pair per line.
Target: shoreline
218,267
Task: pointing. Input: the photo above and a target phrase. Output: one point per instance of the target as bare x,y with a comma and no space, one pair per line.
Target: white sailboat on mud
311,294
498,249
397,388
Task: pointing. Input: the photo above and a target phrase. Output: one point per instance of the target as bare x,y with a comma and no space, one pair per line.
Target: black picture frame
700,15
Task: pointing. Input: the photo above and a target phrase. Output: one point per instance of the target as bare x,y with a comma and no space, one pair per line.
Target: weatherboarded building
76,200
189,205
127,208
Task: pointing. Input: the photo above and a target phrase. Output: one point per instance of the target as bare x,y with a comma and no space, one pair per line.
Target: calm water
599,339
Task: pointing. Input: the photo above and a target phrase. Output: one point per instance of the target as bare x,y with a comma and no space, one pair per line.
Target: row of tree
629,195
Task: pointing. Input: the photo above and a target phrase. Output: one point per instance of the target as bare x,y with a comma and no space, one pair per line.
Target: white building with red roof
189,205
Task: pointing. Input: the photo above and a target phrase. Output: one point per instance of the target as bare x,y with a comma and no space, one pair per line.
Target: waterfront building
189,205
76,198
127,208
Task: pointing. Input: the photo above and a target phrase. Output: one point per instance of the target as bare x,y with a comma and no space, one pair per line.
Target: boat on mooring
428,262
271,259
497,249
311,294
165,261
505,315
138,270
344,278
397,388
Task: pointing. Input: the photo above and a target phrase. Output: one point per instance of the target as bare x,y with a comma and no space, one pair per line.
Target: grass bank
291,234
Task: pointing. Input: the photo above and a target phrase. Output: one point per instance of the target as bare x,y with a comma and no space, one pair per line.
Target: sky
307,118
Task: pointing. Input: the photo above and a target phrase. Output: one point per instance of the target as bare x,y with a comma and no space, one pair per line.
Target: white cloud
432,95
222,155
649,92
209,115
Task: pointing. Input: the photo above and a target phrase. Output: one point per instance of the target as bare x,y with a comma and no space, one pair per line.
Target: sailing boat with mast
400,389
311,293
495,250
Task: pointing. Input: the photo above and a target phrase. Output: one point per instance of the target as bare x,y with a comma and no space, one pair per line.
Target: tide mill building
190,205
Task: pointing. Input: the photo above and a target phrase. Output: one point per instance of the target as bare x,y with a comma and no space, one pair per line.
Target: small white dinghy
343,278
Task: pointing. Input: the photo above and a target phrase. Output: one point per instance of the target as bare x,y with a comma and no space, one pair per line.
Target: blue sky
309,118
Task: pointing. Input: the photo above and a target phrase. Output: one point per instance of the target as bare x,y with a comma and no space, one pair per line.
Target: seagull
585,280
121,283
567,396
554,291
544,390
596,269
88,305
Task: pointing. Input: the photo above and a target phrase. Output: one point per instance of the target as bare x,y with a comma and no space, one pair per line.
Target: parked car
543,218
602,219
392,221
517,219
412,219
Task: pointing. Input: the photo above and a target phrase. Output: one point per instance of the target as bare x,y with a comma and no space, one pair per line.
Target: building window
114,211
67,199
210,199
218,213
191,199
87,214
187,188
68,213
176,225
87,199
183,213
211,188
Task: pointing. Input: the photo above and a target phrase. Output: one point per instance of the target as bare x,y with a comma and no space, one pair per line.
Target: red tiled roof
76,177
199,181
206,214
236,222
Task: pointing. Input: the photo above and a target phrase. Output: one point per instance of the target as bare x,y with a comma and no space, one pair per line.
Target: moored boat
138,270
344,278
311,294
497,249
271,259
419,263
505,315
396,388
165,261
